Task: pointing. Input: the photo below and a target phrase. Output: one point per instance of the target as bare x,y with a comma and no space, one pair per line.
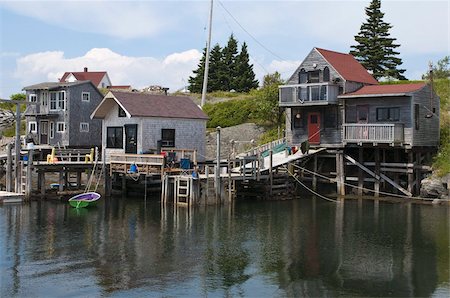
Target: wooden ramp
278,159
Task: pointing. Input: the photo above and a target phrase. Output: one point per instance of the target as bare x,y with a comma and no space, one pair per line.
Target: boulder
434,187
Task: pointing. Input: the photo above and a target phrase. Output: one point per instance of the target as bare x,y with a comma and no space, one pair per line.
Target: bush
229,113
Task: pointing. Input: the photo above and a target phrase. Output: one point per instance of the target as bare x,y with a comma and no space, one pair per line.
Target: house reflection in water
296,248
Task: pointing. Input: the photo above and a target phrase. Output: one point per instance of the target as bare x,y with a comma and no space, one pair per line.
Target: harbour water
303,248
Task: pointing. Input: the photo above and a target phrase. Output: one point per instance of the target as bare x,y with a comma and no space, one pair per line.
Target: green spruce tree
230,52
216,70
245,80
196,81
376,49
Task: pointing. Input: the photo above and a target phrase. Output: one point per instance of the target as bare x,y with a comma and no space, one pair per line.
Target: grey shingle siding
428,132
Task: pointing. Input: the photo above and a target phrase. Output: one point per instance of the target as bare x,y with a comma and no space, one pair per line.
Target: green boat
84,200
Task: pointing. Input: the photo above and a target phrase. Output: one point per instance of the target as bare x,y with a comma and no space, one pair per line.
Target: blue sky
146,43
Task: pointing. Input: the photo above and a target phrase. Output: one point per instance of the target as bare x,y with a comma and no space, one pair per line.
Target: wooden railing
145,163
183,153
373,133
262,148
308,93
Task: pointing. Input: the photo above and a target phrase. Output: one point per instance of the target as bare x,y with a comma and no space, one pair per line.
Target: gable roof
347,66
150,105
385,90
94,76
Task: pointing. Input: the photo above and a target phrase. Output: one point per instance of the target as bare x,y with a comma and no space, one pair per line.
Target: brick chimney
85,69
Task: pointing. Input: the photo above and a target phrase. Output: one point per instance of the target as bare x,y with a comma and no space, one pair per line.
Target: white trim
57,100
88,96
51,130
33,95
58,126
84,127
30,124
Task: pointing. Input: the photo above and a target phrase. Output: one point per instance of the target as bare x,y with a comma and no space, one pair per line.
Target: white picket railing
373,133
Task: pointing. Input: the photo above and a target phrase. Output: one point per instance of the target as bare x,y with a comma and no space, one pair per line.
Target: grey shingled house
135,122
62,114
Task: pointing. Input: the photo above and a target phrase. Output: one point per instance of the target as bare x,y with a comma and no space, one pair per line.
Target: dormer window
302,76
326,74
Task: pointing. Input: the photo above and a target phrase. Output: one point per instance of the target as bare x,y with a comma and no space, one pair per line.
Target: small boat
84,200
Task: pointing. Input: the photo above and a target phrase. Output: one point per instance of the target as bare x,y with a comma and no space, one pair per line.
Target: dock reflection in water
303,248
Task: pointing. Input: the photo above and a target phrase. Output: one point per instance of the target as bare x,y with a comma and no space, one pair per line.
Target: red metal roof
386,89
94,76
348,67
164,106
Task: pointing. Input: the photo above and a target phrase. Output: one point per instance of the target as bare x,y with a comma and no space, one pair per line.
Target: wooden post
124,185
61,179
17,149
360,171
314,177
417,170
397,160
29,178
270,170
207,181
42,181
217,172
410,175
340,175
9,167
377,172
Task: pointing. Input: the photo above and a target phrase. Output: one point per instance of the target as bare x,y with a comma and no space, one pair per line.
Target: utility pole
208,47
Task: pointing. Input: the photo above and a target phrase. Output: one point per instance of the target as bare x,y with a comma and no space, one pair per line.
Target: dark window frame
167,137
391,114
297,122
302,76
326,74
115,141
316,78
417,116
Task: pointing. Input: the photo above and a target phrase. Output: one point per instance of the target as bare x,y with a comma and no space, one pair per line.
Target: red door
314,128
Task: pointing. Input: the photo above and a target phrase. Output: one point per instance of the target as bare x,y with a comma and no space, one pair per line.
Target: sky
143,43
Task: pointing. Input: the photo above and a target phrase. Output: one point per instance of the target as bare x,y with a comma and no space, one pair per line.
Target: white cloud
172,71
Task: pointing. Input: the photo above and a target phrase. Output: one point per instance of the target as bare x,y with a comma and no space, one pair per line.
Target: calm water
303,248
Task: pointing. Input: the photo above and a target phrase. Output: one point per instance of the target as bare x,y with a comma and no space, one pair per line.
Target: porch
308,94
373,133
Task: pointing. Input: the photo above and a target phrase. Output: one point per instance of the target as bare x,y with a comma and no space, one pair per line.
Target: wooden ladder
23,178
183,189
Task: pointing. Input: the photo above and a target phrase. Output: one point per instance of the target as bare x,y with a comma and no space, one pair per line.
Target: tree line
229,70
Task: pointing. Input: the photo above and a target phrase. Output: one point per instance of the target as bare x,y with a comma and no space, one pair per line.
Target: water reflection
304,247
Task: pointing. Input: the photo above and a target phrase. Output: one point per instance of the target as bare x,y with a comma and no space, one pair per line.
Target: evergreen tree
216,70
376,49
229,62
196,81
245,81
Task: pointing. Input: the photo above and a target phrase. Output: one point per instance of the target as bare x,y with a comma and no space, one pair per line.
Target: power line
245,30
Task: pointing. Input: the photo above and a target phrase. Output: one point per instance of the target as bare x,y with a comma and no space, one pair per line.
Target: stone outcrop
435,187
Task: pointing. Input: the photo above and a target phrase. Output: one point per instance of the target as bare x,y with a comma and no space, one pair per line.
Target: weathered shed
134,123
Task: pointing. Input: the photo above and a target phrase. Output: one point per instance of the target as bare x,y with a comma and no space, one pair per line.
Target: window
313,76
52,130
44,98
388,114
168,137
122,112
85,96
57,100
32,127
33,98
114,137
416,116
60,127
302,94
302,76
314,92
330,121
326,74
297,119
362,114
84,127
